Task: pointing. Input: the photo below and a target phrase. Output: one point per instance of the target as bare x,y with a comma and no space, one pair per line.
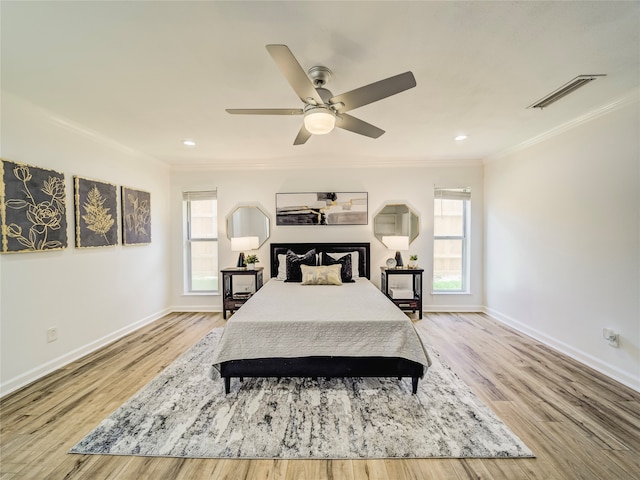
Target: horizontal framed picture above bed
322,208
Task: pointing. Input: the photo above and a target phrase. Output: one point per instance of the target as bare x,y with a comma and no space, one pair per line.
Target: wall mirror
396,219
248,221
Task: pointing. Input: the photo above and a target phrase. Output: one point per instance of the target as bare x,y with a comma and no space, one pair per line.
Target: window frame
189,240
464,237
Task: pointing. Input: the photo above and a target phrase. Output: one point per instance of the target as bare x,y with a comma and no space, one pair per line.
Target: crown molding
92,135
628,99
312,163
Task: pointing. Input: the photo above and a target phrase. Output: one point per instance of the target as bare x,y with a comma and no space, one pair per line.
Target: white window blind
451,240
453,193
201,241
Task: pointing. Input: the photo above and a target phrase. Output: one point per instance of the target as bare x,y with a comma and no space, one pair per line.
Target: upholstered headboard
364,250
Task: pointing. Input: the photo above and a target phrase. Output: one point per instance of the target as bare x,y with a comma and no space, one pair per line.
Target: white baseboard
37,373
196,309
452,308
583,357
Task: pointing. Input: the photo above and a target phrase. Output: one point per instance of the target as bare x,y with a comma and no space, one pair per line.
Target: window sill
201,294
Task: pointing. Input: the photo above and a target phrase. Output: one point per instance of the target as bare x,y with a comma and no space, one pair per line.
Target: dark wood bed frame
323,366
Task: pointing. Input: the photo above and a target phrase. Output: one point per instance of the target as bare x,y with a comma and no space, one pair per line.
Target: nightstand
234,300
413,301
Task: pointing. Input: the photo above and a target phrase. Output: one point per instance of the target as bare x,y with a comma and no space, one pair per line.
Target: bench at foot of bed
329,367
227,383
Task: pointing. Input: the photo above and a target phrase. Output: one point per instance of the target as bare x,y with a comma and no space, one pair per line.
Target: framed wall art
322,208
96,212
33,208
136,217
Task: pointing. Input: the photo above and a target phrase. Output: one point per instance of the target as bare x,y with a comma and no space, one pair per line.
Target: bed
289,329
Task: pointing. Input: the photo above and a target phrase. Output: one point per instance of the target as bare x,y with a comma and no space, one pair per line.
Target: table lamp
242,244
397,243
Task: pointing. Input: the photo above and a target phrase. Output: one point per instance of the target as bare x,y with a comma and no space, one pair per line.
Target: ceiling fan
322,110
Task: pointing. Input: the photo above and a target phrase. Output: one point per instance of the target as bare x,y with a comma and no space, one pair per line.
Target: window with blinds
451,239
201,241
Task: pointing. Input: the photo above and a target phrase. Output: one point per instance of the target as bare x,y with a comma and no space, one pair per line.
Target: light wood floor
580,424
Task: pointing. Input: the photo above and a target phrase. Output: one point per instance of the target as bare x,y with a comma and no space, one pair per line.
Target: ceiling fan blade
265,111
294,74
373,92
353,124
303,136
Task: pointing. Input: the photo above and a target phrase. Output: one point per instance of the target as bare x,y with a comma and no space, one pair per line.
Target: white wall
91,296
563,241
411,185
562,224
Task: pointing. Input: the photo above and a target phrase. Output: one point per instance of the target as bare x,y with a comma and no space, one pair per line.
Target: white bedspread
294,320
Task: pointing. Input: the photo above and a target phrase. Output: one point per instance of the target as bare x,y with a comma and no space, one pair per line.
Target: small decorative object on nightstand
233,300
405,299
251,261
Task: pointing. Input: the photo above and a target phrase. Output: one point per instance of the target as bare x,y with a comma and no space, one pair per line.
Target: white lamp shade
240,244
396,242
255,242
319,120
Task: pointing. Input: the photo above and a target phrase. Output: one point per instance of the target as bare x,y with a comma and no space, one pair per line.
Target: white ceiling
149,74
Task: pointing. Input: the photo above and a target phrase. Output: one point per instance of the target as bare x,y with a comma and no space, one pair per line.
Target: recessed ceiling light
459,138
189,143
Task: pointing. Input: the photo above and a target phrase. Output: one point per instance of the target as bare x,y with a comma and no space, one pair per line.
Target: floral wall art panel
136,217
33,208
96,208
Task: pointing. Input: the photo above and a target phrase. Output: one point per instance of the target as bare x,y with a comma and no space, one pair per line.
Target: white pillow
282,267
355,261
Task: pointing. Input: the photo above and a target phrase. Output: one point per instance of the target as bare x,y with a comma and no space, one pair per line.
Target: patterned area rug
183,412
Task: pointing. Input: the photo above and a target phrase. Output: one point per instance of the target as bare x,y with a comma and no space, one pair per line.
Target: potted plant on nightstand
413,261
251,261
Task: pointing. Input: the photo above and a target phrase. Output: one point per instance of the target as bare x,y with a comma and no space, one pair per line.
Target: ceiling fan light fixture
319,120
321,108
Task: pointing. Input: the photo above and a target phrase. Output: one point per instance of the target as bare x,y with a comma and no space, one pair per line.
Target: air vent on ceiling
564,90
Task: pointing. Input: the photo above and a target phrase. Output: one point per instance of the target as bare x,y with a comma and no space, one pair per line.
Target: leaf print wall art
32,208
96,208
136,217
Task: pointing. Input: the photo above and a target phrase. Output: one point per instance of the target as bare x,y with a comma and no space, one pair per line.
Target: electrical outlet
611,337
52,334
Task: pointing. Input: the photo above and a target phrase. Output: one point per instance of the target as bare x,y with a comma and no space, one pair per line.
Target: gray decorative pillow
294,274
